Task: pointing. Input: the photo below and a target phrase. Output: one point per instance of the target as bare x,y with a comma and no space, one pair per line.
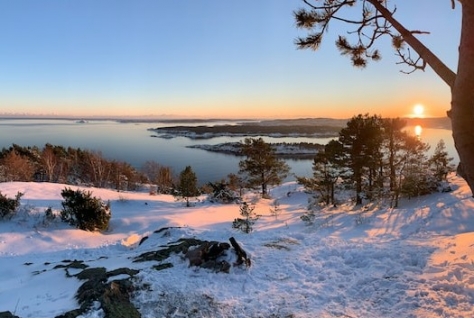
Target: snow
374,261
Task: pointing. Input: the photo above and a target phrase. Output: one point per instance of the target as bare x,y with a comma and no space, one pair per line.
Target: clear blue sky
206,58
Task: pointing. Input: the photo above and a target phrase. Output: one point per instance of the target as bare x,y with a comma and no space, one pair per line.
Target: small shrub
8,206
275,211
84,211
308,217
221,193
245,224
123,199
46,220
49,214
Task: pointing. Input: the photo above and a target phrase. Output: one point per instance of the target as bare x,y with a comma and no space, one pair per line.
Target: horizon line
175,117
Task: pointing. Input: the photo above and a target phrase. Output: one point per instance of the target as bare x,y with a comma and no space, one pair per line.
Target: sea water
132,142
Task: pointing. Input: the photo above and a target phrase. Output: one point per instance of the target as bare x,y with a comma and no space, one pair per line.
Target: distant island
318,128
300,150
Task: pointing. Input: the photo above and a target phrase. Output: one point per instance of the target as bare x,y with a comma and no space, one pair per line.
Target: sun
418,110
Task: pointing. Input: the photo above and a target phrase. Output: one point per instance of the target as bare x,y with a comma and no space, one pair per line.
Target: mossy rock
116,300
114,296
179,246
77,264
90,291
99,273
122,271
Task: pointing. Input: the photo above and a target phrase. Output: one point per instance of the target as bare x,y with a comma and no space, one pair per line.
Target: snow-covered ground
414,261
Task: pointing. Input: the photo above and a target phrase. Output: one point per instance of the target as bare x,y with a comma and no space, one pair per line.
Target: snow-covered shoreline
291,150
246,130
169,134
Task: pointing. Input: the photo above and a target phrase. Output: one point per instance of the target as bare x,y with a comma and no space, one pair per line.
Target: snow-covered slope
417,260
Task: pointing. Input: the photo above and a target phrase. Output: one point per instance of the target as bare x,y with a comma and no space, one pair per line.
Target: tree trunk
462,104
358,189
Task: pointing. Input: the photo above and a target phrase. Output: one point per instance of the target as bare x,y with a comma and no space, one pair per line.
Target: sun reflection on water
418,130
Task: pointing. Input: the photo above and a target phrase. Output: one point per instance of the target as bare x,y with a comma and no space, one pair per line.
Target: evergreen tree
187,185
362,140
84,211
249,218
415,175
327,169
261,166
221,192
440,162
394,141
9,206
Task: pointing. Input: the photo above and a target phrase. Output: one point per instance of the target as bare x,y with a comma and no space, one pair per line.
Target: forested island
273,128
206,132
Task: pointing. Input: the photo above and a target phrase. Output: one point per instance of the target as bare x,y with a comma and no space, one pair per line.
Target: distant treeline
67,165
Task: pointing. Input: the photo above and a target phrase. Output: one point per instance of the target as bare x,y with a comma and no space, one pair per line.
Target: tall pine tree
261,166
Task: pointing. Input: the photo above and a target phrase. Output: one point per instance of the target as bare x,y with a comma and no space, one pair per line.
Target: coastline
283,150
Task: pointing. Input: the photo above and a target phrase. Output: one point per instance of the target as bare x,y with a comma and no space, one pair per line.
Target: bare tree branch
445,73
418,64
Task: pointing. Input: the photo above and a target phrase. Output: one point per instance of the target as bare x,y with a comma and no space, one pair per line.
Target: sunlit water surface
133,143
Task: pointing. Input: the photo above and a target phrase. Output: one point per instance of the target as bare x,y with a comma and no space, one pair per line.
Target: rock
116,300
180,246
114,297
7,314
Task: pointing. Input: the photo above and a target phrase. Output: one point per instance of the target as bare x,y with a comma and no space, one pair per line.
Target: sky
206,59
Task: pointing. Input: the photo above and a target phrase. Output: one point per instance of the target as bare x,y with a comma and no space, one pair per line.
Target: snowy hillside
415,261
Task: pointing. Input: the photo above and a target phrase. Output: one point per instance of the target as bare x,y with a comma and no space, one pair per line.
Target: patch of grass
278,244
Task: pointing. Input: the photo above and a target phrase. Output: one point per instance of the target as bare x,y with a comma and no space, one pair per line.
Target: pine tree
9,206
84,211
261,166
362,139
327,169
187,185
416,179
249,218
440,162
